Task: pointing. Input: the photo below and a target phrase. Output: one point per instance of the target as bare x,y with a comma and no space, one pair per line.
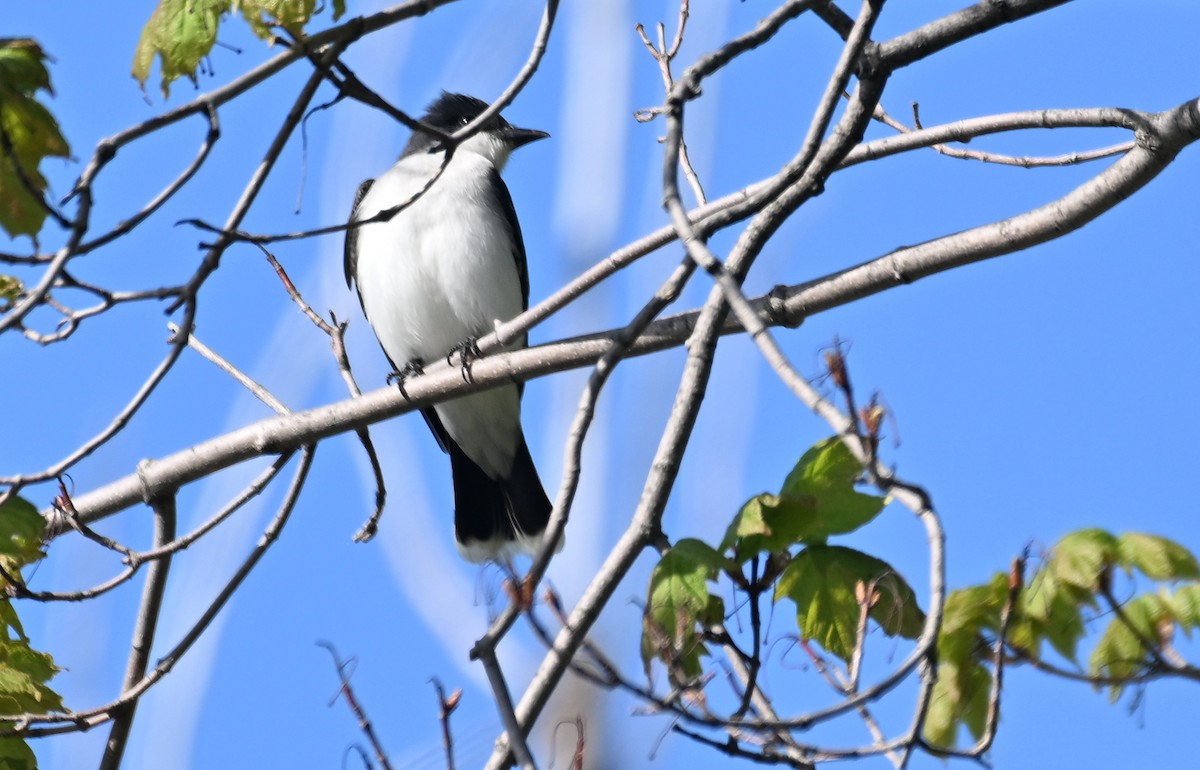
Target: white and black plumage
440,273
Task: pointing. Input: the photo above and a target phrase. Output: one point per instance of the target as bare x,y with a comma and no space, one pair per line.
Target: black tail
490,514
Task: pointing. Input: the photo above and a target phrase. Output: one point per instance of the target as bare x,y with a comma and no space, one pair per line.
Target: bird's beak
518,137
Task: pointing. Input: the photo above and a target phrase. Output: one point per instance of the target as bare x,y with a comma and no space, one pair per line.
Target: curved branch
210,139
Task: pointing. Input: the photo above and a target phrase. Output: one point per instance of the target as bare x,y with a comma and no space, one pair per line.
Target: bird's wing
500,193
350,260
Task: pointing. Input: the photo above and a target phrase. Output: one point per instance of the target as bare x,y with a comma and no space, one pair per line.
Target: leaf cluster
1076,577
786,533
28,133
24,671
182,32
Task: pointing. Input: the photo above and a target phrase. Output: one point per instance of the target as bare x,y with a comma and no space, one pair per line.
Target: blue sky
1034,394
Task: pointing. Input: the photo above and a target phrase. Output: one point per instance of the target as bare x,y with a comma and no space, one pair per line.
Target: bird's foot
468,352
413,368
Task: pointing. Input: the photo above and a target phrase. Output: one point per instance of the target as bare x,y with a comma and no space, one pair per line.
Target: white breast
437,273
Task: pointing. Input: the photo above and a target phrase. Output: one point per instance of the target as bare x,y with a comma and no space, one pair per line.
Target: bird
434,277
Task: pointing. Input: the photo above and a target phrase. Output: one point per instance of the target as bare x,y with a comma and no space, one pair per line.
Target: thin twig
209,109
364,723
446,707
1027,161
186,297
337,341
243,379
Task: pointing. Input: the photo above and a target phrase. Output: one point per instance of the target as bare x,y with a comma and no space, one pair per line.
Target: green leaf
714,613
1052,610
1065,628
826,474
1120,653
960,697
941,719
21,529
28,134
969,610
677,600
23,676
180,33
11,290
15,754
1080,557
1184,605
263,14
821,581
1157,557
22,65
769,524
24,671
964,680
9,620
38,666
697,553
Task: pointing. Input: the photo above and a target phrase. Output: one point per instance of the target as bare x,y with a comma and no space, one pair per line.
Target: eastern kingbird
433,278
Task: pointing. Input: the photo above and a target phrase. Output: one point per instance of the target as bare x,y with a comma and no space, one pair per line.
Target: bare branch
446,707
1070,159
243,379
337,341
364,723
784,306
83,720
209,109
508,717
143,633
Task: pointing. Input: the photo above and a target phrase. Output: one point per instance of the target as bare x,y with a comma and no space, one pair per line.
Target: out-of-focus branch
645,527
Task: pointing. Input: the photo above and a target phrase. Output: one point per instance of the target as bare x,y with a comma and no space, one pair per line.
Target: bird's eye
464,122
